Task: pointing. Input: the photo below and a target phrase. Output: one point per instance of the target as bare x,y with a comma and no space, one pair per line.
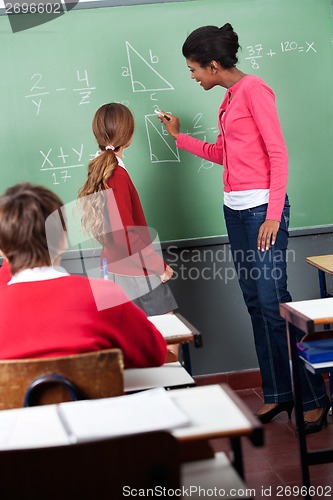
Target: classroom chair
91,375
103,470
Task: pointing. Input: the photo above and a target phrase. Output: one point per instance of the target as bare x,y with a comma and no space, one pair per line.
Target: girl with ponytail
113,214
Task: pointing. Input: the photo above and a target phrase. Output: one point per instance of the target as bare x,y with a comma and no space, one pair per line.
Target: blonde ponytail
113,127
100,170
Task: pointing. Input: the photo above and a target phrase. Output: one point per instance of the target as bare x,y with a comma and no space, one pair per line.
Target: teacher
251,147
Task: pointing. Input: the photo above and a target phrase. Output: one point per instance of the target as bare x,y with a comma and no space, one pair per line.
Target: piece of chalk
158,112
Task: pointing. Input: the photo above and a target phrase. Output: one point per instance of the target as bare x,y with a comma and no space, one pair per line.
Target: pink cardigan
250,144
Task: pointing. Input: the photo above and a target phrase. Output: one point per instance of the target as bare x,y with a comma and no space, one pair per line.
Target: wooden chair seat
97,374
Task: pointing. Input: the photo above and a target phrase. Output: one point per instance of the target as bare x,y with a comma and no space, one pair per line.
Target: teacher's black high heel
321,422
279,408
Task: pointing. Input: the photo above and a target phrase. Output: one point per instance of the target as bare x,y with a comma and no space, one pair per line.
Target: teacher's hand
267,234
171,123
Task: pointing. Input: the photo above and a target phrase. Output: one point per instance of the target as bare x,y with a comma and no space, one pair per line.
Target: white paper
34,427
142,412
169,325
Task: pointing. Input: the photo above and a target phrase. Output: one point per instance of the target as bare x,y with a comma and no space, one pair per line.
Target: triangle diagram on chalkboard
162,148
144,77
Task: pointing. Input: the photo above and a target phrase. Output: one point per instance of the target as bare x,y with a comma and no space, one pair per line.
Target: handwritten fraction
61,161
256,53
39,91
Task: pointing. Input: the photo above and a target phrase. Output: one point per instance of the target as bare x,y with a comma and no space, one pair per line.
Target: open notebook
54,425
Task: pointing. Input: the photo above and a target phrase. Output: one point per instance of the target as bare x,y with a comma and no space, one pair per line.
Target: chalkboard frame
96,4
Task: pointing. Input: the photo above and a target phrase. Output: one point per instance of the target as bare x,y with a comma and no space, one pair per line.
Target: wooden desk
306,315
214,411
188,335
169,376
214,474
324,265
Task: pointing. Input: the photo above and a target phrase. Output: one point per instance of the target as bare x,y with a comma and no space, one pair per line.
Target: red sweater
5,273
61,318
128,248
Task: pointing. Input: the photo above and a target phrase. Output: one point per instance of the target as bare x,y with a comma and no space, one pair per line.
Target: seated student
47,312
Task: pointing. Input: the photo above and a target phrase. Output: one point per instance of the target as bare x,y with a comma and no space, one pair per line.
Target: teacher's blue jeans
263,280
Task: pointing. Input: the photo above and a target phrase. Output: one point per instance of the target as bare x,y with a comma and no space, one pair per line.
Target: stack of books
316,351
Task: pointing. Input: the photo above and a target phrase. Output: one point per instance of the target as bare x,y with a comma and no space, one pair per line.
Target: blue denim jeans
263,280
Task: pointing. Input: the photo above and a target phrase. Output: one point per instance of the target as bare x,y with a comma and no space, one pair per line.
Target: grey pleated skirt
147,292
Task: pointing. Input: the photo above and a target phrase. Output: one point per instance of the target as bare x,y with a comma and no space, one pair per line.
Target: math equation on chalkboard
256,53
38,90
61,161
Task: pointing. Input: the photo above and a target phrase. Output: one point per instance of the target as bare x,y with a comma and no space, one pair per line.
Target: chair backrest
97,374
106,469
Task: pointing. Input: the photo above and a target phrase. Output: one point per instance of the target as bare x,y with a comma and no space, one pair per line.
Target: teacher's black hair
210,43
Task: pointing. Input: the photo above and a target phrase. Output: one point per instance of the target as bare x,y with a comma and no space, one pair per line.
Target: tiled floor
274,469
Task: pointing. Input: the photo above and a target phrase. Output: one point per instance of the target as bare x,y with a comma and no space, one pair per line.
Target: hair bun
227,27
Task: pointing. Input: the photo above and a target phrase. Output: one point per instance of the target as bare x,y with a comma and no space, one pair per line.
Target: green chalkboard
55,76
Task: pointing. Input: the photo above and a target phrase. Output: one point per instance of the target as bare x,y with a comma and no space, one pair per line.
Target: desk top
168,375
176,329
212,411
306,314
215,411
322,262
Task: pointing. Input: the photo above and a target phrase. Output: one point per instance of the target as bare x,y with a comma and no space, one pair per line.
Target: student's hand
267,234
167,274
172,125
172,354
